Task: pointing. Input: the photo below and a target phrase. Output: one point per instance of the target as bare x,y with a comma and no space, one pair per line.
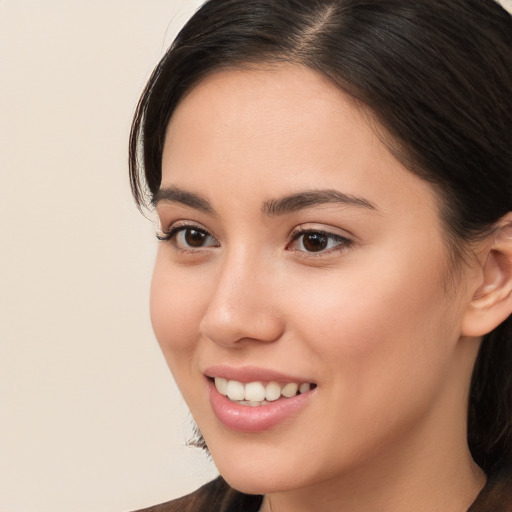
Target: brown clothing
218,496
215,496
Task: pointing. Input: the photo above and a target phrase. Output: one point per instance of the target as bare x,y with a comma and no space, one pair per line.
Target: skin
370,320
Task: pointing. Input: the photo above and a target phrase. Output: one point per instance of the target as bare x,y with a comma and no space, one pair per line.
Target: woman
333,286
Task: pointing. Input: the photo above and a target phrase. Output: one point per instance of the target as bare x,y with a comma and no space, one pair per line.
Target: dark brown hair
435,74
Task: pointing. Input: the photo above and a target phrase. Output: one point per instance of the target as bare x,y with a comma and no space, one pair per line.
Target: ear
491,302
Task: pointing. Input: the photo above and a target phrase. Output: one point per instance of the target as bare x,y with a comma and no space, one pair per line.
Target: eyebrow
274,207
177,195
312,198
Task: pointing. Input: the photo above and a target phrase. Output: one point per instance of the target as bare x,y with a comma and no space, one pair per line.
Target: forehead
276,129
277,85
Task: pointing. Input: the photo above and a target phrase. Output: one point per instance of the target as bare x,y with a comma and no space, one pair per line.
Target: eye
314,241
188,237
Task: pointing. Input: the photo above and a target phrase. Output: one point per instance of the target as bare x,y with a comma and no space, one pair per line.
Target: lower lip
245,418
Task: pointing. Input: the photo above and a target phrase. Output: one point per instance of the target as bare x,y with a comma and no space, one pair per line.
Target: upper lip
252,374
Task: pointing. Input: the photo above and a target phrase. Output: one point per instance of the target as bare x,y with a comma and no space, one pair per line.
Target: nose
242,306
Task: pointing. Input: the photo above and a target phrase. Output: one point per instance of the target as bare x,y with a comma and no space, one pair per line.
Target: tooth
221,385
304,388
254,392
253,403
272,391
290,390
235,390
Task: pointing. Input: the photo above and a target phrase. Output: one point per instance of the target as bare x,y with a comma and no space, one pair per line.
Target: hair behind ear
490,401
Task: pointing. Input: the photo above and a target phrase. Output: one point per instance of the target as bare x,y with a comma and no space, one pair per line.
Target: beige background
90,419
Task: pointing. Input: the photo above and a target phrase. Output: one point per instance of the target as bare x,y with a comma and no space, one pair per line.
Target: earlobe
491,302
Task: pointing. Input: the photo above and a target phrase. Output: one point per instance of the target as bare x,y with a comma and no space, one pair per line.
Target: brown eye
189,238
318,242
314,242
194,237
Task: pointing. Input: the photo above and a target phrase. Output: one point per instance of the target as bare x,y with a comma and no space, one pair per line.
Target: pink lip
252,374
244,418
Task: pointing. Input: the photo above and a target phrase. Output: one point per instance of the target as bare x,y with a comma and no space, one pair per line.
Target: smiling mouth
255,394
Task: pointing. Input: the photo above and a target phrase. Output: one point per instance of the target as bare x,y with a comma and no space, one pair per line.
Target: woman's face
301,251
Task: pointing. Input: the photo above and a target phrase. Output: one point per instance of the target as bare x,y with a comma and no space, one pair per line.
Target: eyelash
341,243
174,231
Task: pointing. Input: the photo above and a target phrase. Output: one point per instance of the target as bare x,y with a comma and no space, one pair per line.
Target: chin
254,481
263,469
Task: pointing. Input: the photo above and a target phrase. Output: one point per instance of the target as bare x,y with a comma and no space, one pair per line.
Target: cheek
177,301
381,323
384,346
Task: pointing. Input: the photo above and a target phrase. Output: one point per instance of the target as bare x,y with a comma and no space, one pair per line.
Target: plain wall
90,419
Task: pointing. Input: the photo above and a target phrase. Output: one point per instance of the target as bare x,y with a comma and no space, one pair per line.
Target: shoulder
215,496
496,496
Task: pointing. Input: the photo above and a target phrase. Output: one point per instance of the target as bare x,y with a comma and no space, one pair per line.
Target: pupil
315,242
195,238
